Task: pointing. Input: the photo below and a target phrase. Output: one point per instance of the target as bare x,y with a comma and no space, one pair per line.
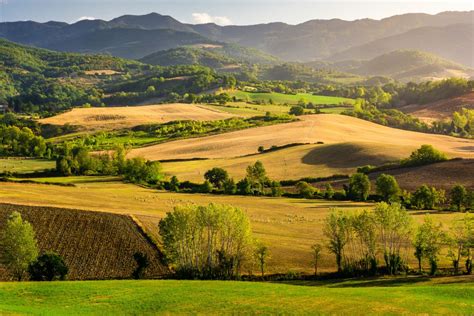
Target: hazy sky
223,11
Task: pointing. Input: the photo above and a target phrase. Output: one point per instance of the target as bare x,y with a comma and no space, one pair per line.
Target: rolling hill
403,65
440,110
222,57
453,42
327,128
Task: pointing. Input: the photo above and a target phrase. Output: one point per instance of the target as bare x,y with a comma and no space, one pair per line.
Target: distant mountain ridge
316,39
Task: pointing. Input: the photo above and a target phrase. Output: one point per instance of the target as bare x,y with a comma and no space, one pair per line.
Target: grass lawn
25,165
281,98
391,296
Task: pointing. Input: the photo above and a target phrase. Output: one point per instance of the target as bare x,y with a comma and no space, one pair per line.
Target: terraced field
126,117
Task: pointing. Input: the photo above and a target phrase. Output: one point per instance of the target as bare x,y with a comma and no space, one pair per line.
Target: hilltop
222,57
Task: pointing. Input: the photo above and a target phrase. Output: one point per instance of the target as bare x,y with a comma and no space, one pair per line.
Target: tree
458,195
261,255
316,252
305,189
18,244
460,240
174,184
206,241
387,187
297,110
426,154
48,267
420,243
217,177
142,263
359,187
394,226
329,192
336,231
257,178
427,198
433,237
229,187
261,149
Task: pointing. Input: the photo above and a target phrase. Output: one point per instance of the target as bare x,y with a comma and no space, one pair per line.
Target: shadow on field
384,281
368,282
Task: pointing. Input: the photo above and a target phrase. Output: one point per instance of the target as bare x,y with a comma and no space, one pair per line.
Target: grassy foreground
217,297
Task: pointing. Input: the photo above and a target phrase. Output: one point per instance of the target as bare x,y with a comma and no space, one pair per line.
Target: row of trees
76,160
359,240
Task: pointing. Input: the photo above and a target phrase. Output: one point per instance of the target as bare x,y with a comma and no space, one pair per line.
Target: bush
387,187
426,154
297,110
48,267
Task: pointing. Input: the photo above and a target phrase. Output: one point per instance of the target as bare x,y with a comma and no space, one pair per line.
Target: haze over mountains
450,35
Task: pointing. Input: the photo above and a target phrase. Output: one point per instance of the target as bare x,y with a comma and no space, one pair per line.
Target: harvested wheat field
94,245
288,226
440,110
126,117
328,128
292,163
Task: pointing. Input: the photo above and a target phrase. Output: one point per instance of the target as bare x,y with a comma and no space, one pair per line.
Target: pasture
445,296
127,117
19,165
280,98
288,226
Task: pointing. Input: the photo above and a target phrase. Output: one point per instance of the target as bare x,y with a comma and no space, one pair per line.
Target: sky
223,12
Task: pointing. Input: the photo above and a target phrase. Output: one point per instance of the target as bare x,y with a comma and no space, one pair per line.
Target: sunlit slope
327,128
123,117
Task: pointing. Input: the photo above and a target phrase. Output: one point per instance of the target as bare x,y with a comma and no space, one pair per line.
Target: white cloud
85,18
202,18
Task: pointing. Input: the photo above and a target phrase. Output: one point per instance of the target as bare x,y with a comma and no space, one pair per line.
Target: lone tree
18,245
48,267
317,249
262,254
217,177
458,195
359,187
387,187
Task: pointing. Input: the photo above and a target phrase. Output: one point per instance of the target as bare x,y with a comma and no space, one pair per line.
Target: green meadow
393,296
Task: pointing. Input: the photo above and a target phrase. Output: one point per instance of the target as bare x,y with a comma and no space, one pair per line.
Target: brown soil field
328,128
126,117
288,226
440,110
443,175
94,245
